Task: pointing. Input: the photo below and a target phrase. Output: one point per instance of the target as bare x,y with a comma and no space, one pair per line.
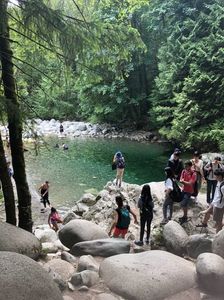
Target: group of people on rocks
190,175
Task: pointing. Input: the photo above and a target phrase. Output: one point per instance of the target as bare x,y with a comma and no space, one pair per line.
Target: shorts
120,173
218,214
118,232
186,197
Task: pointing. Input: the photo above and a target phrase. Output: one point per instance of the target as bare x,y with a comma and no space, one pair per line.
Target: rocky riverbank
82,262
40,128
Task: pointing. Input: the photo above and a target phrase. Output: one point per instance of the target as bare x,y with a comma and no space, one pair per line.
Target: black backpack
176,193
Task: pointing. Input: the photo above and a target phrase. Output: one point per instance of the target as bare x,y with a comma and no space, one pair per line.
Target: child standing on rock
54,219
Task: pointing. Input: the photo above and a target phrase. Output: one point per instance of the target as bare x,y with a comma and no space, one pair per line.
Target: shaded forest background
144,64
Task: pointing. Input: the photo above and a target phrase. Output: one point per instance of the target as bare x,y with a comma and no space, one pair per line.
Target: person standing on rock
197,164
176,164
216,208
210,169
120,165
54,219
44,192
145,204
188,178
168,203
121,219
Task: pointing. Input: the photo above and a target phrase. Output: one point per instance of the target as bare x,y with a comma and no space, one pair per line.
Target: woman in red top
187,178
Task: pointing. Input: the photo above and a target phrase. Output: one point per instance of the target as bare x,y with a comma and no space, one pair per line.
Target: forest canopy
145,64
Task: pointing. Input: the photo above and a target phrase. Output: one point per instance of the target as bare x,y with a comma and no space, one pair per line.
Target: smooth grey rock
87,277
15,239
83,288
151,275
102,247
79,231
175,238
62,284
105,296
24,279
197,244
61,267
69,258
67,298
210,273
88,199
46,236
218,243
87,262
70,216
49,248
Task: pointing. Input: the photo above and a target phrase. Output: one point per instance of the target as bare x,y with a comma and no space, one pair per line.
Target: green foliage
143,63
188,98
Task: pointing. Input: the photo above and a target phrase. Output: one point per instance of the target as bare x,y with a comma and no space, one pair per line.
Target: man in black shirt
176,165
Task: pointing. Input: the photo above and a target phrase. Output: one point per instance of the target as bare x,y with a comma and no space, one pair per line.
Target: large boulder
87,262
79,231
102,247
151,275
46,236
87,278
61,267
15,239
24,279
218,244
175,238
197,244
70,216
210,273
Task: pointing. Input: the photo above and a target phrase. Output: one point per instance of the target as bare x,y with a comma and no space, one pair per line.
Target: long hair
146,194
169,173
119,201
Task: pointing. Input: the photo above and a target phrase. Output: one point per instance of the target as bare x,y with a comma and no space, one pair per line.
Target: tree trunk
7,188
14,122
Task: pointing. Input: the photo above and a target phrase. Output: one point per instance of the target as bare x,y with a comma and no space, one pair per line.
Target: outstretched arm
134,215
114,223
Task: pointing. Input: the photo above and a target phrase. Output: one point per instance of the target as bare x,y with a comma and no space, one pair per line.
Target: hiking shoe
164,221
183,220
147,242
201,225
139,243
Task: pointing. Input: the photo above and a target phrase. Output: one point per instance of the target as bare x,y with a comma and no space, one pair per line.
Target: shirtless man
44,192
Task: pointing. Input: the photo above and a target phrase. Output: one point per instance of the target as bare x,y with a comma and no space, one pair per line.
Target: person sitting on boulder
121,219
216,208
54,219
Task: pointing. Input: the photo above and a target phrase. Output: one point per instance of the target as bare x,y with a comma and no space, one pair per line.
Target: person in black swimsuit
44,192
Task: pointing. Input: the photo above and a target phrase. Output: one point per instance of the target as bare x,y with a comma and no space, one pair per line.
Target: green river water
87,164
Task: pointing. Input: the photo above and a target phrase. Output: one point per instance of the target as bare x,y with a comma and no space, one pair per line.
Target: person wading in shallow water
121,219
44,192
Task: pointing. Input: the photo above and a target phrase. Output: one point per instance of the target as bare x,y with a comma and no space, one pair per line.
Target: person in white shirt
216,208
168,203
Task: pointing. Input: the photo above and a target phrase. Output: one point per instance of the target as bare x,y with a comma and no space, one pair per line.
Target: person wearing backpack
209,174
188,178
121,219
168,203
216,208
145,204
197,165
120,165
